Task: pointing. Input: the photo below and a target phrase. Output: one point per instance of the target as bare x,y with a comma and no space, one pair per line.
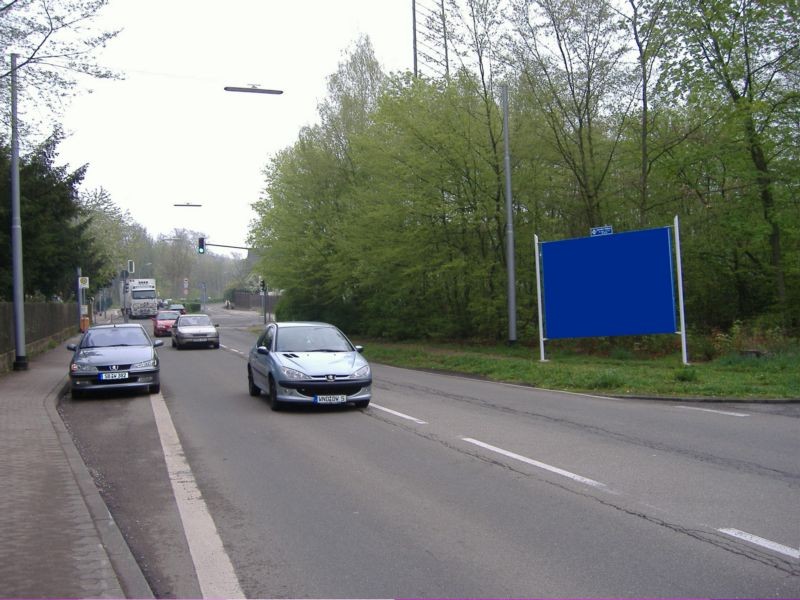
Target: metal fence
45,323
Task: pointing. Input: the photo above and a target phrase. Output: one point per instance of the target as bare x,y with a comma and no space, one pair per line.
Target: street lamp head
252,90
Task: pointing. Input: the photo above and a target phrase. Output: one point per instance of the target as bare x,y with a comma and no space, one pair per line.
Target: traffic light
201,245
263,285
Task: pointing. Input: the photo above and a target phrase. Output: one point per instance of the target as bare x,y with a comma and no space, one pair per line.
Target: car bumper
305,392
137,379
198,341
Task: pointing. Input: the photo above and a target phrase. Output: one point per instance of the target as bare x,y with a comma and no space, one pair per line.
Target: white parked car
195,330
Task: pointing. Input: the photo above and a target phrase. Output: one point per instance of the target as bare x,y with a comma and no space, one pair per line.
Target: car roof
117,326
193,315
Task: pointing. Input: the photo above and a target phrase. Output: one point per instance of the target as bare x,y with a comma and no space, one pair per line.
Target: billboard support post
539,298
684,352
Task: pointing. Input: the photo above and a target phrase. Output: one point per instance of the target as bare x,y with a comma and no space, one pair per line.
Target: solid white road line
536,463
399,414
718,412
214,569
764,543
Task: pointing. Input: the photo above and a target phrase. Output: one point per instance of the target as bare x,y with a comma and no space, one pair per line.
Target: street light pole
254,90
21,359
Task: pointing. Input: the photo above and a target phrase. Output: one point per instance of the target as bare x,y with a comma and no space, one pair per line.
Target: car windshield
312,339
198,320
167,316
115,336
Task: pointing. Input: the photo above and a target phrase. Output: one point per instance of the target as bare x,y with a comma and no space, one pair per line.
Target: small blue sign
604,230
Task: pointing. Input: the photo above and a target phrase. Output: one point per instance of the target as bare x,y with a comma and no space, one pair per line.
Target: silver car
194,330
114,357
308,363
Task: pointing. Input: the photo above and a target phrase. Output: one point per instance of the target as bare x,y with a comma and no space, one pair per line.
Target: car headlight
292,374
361,373
145,364
79,367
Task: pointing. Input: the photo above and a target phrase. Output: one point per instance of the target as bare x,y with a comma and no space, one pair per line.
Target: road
443,487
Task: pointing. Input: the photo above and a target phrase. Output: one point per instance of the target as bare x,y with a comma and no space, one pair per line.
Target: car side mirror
72,347
262,350
157,343
359,349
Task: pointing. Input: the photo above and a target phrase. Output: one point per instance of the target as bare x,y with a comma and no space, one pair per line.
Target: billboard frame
679,273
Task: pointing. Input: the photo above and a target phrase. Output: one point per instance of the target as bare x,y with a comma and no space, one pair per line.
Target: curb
129,574
710,399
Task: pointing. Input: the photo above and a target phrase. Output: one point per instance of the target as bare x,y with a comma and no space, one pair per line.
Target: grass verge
775,377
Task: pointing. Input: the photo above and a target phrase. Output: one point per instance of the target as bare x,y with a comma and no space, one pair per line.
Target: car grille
119,368
312,389
131,379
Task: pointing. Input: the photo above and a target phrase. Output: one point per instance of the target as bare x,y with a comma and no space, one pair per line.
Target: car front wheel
274,403
252,387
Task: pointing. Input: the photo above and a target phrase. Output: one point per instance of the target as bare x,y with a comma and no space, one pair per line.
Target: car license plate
114,375
338,399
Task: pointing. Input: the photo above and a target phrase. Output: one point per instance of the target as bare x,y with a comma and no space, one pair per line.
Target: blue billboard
608,285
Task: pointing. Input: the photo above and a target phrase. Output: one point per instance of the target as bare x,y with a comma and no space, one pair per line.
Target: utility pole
21,359
512,285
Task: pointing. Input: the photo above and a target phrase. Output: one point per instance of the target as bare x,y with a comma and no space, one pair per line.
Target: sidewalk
57,538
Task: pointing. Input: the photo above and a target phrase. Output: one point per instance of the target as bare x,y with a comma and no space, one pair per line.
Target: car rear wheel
252,387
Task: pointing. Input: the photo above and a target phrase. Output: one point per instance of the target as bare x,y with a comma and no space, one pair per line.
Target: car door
260,362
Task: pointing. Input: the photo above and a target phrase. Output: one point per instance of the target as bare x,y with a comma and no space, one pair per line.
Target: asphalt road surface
443,487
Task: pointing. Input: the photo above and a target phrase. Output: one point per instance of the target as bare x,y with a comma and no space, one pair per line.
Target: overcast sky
168,134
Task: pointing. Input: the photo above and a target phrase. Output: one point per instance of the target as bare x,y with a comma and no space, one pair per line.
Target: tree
571,56
744,56
54,240
306,198
57,41
105,223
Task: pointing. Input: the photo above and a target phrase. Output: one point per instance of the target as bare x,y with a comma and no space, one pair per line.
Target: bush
606,380
686,375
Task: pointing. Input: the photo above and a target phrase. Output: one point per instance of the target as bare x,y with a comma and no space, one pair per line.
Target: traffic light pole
226,246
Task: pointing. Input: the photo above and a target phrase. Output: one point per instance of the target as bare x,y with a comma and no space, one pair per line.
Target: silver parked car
194,330
308,363
114,357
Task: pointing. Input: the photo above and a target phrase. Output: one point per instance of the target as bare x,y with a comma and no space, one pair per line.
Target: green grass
730,377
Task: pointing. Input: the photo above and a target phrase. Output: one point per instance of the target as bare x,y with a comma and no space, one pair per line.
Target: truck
140,298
